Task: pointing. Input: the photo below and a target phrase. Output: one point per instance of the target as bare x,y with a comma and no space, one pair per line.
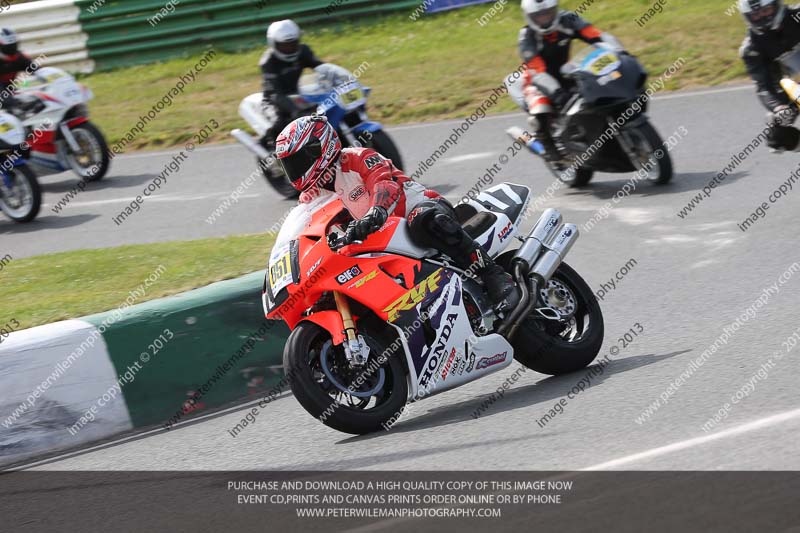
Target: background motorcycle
20,194
383,322
52,101
331,91
607,83
790,63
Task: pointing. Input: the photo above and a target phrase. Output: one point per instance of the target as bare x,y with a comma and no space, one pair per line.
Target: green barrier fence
205,355
121,33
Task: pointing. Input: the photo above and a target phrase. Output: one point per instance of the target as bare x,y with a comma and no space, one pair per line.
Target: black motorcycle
604,126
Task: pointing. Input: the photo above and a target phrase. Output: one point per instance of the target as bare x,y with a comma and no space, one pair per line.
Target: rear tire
538,344
33,189
277,179
302,361
582,177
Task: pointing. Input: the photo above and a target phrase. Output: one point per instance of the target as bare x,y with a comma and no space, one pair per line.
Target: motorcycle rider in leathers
281,67
372,189
544,44
774,29
12,62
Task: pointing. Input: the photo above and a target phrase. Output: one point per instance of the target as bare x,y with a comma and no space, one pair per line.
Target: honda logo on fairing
433,362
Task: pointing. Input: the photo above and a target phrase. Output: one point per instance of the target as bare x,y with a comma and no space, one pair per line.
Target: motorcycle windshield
299,219
329,78
791,62
596,60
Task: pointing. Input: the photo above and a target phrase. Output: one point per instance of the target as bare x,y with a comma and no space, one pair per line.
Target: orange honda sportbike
380,323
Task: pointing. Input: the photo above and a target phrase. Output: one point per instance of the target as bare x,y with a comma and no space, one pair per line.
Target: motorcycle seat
475,223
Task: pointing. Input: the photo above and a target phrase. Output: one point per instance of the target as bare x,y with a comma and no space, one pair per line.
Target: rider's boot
542,127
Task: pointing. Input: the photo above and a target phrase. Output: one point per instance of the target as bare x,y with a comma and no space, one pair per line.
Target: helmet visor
545,18
288,48
763,16
9,49
298,164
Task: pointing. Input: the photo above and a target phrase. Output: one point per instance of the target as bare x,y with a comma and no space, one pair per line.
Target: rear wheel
574,177
567,335
20,194
351,399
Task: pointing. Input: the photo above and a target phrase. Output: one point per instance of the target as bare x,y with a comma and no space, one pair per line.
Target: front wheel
20,194
92,161
567,335
355,400
653,157
384,145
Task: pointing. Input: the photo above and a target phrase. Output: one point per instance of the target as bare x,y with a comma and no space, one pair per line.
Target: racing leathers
760,52
280,81
545,89
373,189
10,67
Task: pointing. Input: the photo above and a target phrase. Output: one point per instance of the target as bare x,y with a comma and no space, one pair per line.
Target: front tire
27,200
559,347
321,380
647,141
93,161
384,145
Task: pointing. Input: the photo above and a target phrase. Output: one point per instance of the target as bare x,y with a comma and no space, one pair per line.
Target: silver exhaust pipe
544,229
557,250
248,141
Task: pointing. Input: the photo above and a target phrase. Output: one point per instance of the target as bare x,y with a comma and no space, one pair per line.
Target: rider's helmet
307,149
763,15
8,42
284,39
542,16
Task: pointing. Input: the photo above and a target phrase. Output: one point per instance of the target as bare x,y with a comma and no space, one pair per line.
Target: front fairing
606,77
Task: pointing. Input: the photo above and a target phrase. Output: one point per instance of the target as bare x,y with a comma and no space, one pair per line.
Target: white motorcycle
332,91
20,194
52,103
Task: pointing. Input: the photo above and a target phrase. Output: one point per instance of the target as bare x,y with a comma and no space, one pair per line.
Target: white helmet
284,39
763,14
541,15
8,42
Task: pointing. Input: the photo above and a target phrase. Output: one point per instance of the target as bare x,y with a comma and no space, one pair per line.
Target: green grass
48,288
441,66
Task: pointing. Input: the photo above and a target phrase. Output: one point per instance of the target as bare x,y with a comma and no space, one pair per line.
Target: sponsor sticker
486,362
414,297
348,275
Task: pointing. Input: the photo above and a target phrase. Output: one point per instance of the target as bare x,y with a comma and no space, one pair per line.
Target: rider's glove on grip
358,230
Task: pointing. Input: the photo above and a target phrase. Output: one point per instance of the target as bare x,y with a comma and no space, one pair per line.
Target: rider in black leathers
281,66
773,30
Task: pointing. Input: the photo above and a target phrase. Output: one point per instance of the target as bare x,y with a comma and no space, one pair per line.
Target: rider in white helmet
544,45
281,66
773,30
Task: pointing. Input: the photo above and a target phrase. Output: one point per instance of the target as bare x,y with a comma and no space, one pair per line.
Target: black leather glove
358,230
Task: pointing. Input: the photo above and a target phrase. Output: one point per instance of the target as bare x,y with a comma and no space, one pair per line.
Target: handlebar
337,242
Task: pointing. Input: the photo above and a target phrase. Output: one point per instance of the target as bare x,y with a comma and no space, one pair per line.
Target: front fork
355,347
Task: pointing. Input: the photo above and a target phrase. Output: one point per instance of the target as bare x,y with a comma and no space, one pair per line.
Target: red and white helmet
306,149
